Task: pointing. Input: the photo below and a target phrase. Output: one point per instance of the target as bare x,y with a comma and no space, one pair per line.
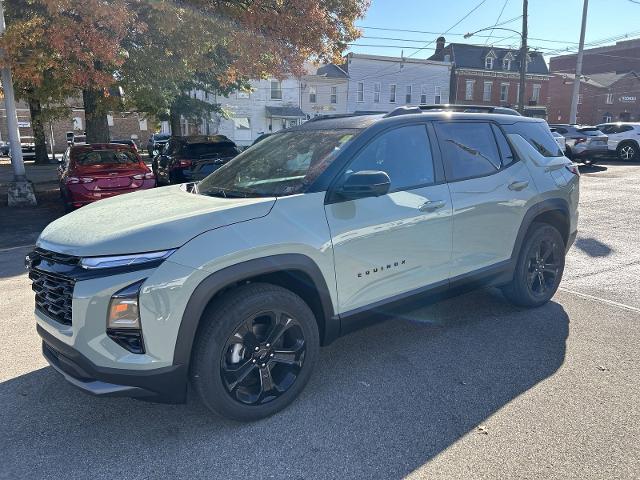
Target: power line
499,17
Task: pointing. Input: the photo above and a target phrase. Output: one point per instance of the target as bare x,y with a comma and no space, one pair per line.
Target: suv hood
146,221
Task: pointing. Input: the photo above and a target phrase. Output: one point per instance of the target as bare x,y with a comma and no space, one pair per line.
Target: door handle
431,205
518,185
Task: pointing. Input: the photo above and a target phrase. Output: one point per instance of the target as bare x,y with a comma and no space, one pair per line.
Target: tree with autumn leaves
156,52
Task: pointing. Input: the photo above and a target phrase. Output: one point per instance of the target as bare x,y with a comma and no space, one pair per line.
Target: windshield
282,164
105,157
204,150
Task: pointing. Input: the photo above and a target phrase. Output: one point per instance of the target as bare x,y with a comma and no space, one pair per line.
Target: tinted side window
538,135
403,153
468,149
625,128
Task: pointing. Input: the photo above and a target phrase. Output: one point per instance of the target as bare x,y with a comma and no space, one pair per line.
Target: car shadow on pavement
593,247
381,403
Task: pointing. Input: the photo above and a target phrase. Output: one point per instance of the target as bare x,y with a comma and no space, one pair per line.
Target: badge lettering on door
382,268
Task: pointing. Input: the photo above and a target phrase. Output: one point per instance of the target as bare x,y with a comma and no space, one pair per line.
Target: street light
523,60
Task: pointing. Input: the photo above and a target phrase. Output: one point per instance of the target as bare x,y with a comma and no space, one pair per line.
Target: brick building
604,97
121,125
490,75
622,57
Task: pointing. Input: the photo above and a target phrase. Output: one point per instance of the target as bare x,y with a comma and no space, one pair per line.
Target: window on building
609,99
423,94
403,153
504,92
579,98
392,93
486,93
110,120
607,118
276,90
506,64
437,99
488,63
241,94
407,96
312,95
360,91
242,128
376,92
77,123
469,150
468,92
536,93
334,95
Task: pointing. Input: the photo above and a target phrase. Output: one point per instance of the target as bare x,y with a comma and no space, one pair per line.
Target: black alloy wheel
254,352
263,357
627,152
544,266
539,268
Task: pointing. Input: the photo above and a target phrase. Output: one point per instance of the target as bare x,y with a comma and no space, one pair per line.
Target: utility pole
523,57
573,116
20,191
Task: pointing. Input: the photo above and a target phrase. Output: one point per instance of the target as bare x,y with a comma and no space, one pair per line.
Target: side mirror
365,183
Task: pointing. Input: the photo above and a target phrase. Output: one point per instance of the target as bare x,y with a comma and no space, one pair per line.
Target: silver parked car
584,143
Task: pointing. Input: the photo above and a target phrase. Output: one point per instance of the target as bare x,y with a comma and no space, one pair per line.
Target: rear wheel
539,267
627,151
255,352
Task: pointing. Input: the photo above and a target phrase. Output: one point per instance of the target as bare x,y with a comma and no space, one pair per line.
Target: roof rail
406,110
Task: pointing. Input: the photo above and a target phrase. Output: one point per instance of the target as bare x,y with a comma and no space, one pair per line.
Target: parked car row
586,144
90,172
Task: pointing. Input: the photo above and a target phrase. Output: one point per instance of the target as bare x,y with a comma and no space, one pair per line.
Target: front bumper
165,385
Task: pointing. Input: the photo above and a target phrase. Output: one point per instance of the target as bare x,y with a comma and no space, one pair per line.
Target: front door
393,244
490,191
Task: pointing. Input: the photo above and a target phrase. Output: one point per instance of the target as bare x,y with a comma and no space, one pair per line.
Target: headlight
124,260
123,318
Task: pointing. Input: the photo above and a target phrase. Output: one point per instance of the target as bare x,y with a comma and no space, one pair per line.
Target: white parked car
624,139
560,140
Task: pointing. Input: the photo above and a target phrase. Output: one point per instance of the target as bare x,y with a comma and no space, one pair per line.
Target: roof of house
473,56
601,80
331,71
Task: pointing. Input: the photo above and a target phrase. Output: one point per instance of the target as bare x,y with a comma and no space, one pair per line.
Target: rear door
490,191
399,242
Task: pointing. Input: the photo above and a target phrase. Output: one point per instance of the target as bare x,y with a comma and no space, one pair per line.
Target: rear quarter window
538,136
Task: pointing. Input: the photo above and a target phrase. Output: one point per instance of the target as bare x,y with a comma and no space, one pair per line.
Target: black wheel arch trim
548,205
218,281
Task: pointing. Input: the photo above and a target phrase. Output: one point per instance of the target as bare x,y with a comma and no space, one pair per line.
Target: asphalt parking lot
469,388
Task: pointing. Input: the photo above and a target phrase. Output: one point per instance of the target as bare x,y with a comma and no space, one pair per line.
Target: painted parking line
601,300
8,249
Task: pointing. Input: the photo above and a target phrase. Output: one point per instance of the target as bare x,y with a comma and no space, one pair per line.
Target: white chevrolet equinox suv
233,284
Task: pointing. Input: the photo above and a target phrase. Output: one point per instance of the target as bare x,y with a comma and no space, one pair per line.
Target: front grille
54,294
56,257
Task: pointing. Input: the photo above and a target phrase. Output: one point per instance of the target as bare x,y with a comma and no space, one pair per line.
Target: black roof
473,56
331,71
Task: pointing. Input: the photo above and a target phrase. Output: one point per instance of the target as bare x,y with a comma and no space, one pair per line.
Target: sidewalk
21,226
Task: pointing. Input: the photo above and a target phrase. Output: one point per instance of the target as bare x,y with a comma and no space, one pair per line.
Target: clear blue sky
556,20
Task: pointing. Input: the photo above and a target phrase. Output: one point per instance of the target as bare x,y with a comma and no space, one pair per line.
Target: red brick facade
619,101
621,57
497,80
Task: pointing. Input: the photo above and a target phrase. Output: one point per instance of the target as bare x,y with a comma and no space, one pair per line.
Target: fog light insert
123,319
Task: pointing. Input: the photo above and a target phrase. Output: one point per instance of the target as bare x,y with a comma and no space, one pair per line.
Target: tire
233,370
627,151
535,282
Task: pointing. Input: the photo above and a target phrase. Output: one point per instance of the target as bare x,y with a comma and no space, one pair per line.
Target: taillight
139,176
581,140
573,168
184,163
79,180
149,176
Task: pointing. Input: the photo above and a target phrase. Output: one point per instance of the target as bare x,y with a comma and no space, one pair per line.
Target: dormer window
488,63
506,64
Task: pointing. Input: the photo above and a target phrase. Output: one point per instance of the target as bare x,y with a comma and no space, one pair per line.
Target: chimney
440,47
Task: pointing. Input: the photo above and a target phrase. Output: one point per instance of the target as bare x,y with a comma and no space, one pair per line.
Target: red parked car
91,172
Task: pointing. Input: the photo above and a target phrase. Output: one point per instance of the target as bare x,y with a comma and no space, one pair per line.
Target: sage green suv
234,283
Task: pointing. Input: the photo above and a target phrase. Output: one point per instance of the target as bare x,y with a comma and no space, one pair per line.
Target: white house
380,84
325,91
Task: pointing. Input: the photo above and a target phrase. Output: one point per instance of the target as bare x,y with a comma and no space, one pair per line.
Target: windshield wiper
222,192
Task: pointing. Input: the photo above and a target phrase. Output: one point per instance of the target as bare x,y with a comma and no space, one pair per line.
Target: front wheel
627,152
539,267
255,352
